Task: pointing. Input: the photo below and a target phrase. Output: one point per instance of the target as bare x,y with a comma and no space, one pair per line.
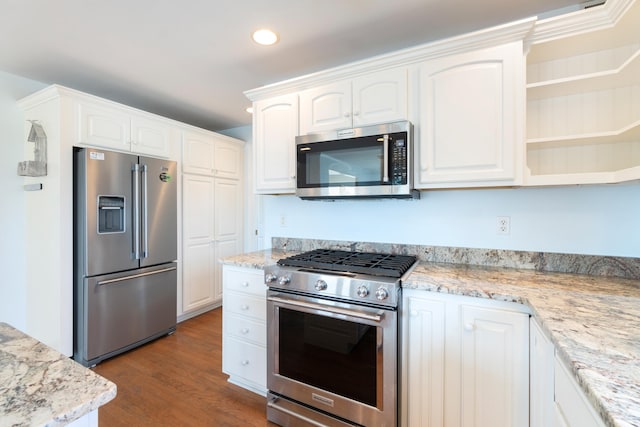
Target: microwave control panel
398,162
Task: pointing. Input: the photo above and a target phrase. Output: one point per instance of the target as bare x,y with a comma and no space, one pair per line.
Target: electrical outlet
283,221
503,225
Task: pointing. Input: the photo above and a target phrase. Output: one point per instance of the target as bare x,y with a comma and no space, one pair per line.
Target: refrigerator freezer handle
135,276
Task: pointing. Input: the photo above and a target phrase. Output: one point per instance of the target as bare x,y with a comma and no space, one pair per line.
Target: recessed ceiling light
249,110
265,37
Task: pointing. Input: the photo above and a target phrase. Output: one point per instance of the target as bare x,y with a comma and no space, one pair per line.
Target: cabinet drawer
245,329
245,280
245,305
245,360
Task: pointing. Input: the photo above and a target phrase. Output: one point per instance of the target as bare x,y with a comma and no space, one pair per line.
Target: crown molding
506,33
582,21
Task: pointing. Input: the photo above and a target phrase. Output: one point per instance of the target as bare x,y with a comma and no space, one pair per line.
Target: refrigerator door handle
136,211
135,276
145,214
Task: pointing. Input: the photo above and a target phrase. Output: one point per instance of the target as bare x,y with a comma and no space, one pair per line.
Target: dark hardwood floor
178,381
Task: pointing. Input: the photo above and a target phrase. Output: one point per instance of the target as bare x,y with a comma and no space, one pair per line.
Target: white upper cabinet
375,98
583,98
118,128
206,153
471,119
275,126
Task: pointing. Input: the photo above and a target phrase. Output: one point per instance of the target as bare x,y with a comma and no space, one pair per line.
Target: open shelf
622,72
627,133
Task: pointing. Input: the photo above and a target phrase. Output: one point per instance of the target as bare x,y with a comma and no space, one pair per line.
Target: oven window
335,355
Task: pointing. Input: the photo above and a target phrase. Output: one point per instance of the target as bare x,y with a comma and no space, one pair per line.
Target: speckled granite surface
41,387
538,261
592,320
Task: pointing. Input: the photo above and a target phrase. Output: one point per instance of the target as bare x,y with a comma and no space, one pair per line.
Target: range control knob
284,280
362,291
321,285
269,278
382,294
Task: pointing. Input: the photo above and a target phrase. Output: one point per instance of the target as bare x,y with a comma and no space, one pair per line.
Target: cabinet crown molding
506,33
581,21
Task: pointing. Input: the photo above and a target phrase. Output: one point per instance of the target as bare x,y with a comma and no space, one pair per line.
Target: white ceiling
192,60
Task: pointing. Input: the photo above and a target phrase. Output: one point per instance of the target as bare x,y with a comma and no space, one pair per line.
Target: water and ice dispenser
111,214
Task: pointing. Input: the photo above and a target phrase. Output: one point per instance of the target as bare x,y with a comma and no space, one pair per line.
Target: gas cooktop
375,264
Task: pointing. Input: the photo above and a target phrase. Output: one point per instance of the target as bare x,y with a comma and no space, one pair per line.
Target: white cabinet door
572,408
494,367
150,137
541,353
197,153
423,359
102,126
227,159
116,128
326,108
198,242
207,153
380,97
275,129
471,119
374,98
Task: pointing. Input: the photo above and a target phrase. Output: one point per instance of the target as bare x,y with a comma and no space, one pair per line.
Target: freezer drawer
121,311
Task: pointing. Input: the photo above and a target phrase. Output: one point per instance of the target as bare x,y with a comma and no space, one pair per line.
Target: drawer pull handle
244,307
469,327
245,284
244,362
245,330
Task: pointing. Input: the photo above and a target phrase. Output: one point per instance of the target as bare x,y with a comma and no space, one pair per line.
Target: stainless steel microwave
373,161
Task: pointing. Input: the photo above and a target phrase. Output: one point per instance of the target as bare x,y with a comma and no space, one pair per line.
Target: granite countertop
42,387
593,321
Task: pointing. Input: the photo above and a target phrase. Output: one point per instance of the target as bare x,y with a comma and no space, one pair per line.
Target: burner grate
375,264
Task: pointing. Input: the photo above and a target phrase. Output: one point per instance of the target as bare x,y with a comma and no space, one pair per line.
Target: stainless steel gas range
332,341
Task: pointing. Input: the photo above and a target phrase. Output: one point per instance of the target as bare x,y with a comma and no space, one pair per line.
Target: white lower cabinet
465,361
244,324
556,398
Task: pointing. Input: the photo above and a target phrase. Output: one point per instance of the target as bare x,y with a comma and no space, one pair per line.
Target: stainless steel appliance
372,161
125,245
332,345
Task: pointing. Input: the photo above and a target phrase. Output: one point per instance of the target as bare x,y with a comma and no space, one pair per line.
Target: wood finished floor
178,381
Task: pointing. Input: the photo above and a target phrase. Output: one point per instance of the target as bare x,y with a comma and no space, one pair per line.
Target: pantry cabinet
244,317
471,119
583,98
275,127
479,346
212,215
103,124
374,98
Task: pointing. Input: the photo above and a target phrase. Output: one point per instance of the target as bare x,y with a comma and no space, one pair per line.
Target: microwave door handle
385,160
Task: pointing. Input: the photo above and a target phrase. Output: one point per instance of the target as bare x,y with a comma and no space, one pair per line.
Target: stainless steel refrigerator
125,247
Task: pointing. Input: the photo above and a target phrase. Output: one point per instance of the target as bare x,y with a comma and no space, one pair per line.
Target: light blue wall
590,219
597,220
12,224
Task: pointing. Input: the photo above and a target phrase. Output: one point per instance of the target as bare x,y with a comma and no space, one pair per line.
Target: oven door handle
360,314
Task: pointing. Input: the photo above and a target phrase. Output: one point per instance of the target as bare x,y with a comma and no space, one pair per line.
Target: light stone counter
42,387
593,321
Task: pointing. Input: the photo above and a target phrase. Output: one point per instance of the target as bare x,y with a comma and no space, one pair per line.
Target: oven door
336,357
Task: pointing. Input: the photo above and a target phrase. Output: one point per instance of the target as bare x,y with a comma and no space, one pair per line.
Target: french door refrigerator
125,247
